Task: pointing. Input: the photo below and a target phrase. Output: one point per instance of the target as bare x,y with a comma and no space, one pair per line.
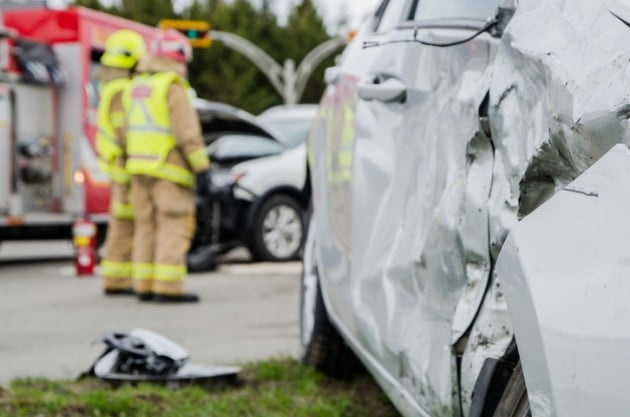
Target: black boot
182,298
144,296
127,291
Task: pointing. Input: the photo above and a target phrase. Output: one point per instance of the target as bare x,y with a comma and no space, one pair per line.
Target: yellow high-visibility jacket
108,146
152,144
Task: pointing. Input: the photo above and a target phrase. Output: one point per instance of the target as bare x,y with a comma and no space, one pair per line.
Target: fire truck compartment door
6,147
34,147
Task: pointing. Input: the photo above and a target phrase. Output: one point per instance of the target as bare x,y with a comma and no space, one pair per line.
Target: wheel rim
282,231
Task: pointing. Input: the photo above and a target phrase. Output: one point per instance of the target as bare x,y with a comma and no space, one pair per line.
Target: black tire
259,249
514,401
322,346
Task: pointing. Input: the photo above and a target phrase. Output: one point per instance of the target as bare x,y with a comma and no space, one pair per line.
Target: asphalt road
49,318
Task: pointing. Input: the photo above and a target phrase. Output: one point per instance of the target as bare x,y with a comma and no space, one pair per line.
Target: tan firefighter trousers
116,264
164,226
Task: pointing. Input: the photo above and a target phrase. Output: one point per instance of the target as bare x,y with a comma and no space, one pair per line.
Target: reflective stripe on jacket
107,145
149,135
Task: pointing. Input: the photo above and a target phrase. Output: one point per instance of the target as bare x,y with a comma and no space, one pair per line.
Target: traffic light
197,31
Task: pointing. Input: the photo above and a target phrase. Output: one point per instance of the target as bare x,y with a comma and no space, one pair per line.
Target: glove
203,183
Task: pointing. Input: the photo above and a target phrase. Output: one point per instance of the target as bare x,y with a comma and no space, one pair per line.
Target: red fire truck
48,100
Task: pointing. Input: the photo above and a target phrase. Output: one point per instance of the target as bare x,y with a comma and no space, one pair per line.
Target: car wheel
514,401
278,230
322,346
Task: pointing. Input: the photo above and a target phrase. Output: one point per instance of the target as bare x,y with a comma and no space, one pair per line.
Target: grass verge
269,389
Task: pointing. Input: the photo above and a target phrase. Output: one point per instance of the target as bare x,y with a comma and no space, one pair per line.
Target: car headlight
225,178
222,178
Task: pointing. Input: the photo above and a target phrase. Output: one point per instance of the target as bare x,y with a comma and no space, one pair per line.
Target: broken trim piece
146,356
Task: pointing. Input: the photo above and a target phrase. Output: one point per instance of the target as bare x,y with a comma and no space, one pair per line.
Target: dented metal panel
558,102
490,337
565,271
414,198
400,192
419,176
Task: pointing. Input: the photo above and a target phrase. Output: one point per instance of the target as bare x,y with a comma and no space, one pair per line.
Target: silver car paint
571,80
568,288
406,243
409,212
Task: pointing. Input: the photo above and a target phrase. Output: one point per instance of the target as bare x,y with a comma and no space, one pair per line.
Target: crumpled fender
565,270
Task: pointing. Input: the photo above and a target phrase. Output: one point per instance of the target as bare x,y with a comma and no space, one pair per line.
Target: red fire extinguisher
84,238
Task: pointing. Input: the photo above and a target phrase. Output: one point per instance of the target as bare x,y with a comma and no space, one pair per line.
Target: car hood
286,170
298,152
218,119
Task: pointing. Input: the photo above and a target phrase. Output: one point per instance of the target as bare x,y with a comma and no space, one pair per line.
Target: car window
244,146
392,15
453,9
294,131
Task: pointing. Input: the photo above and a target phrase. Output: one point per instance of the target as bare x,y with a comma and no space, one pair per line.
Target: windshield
294,131
453,9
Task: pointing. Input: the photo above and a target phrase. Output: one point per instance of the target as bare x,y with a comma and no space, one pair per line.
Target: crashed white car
470,240
273,187
257,191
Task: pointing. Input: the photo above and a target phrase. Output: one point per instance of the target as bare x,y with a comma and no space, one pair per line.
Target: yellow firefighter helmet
123,49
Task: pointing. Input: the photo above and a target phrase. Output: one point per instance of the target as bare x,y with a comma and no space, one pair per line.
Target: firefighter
123,49
165,152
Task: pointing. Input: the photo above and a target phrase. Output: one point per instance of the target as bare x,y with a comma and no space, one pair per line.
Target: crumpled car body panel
400,215
571,81
566,276
413,200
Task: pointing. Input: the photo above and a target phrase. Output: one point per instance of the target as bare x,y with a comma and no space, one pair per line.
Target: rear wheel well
322,346
292,192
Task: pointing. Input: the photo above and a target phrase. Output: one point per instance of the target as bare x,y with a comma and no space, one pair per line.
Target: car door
409,172
331,145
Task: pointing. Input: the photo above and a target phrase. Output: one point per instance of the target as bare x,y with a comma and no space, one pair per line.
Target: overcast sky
332,10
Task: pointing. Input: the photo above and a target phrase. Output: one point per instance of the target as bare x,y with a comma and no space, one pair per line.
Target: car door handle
387,90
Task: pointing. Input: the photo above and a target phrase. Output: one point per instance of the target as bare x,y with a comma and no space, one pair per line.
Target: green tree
92,4
305,30
221,74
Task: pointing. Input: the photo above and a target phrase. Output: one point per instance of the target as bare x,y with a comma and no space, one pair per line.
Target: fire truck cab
48,101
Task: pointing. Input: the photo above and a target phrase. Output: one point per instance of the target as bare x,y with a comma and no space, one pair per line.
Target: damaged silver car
470,237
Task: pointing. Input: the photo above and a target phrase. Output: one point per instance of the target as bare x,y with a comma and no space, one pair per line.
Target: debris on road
146,356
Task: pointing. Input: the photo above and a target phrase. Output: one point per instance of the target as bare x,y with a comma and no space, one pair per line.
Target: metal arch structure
289,82
260,58
313,60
